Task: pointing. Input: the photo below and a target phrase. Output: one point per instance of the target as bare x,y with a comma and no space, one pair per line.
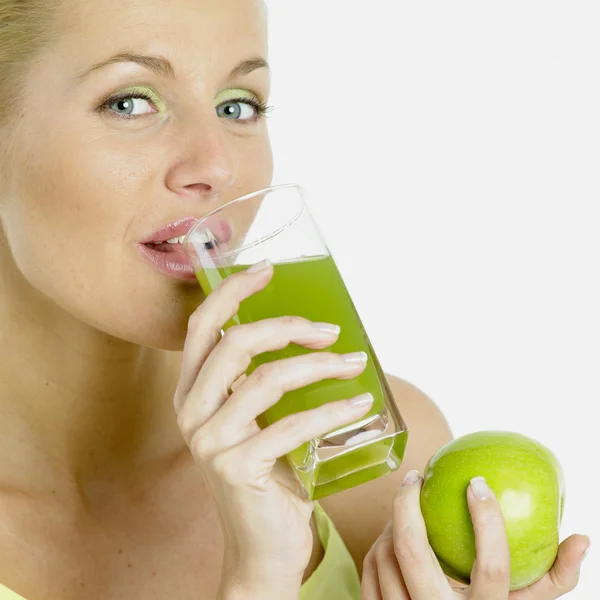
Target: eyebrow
163,67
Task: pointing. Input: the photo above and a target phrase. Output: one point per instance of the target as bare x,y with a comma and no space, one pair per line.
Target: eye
242,109
130,106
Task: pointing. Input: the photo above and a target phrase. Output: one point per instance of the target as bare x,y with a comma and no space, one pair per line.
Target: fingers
564,574
232,355
207,321
382,578
420,569
369,585
267,384
490,577
250,463
294,430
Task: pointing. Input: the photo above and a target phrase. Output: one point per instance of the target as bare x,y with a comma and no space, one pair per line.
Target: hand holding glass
275,224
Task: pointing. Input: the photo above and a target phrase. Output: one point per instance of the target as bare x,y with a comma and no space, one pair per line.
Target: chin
158,335
162,325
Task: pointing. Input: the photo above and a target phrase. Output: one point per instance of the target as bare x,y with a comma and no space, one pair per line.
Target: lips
220,228
170,258
170,231
174,264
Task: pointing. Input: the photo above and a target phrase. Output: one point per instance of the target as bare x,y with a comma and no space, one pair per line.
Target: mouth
164,248
176,244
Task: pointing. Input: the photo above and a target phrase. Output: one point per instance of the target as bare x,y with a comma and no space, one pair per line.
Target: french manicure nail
355,357
480,488
411,478
362,400
261,266
328,328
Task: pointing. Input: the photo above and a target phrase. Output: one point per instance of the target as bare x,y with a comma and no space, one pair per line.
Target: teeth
202,236
178,240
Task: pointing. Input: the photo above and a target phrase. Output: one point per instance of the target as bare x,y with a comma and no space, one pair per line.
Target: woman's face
106,157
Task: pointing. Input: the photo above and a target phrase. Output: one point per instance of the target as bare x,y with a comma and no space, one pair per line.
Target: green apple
528,482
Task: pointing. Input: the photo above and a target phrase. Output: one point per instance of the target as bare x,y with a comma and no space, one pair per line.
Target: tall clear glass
275,224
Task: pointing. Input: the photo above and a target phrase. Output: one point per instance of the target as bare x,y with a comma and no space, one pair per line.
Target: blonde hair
26,26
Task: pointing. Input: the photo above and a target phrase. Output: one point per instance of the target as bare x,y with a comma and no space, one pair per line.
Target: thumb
564,574
565,570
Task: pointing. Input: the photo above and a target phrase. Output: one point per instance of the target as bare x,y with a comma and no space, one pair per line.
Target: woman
119,119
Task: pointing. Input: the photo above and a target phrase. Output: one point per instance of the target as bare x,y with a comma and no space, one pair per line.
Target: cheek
67,228
72,210
254,166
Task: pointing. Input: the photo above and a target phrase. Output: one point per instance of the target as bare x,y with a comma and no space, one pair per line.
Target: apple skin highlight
528,482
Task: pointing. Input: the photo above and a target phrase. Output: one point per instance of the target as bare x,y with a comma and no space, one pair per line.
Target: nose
206,165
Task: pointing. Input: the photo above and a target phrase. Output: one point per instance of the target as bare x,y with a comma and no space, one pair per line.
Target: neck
76,402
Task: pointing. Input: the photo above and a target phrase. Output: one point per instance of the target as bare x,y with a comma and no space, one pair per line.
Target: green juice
313,288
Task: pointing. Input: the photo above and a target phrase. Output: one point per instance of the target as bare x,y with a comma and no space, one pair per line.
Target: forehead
189,31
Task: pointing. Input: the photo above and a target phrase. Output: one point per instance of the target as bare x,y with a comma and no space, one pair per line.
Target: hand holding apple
464,520
528,482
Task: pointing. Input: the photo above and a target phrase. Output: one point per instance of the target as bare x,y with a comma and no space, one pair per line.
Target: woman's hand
402,566
264,516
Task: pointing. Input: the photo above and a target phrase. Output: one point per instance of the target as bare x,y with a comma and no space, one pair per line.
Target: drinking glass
275,224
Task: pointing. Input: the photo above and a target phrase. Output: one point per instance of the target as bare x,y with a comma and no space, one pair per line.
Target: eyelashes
261,108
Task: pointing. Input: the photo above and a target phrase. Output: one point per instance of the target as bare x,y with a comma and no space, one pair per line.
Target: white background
451,151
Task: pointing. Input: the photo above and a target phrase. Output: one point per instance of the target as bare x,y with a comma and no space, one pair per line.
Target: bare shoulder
361,513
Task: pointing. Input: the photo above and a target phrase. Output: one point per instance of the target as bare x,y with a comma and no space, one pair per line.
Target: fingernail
411,478
328,328
355,357
480,488
261,266
361,400
587,550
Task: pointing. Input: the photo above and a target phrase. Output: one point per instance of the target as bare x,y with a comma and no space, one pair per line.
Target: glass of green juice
275,224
